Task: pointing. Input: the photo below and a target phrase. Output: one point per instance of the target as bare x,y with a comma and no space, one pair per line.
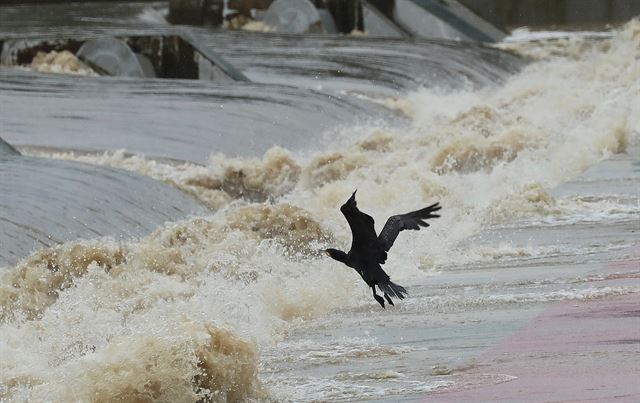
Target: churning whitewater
201,309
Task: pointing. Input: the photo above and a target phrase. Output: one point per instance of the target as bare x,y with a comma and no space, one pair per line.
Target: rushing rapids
202,309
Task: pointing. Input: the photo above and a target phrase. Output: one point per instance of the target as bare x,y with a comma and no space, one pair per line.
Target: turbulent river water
233,302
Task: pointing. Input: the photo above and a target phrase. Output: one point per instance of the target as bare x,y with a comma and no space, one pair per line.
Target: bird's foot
379,299
388,299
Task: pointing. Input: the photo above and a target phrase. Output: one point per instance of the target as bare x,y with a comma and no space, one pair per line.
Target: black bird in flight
369,251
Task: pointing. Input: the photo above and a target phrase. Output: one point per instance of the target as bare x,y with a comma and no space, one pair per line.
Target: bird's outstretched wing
361,224
397,223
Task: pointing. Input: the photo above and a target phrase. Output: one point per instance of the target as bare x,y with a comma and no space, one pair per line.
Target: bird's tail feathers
393,289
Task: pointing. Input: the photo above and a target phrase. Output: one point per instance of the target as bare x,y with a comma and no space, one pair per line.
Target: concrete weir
161,56
444,20
183,101
427,19
47,202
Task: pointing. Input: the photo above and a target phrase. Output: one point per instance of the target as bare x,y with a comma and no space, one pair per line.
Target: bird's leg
388,299
377,297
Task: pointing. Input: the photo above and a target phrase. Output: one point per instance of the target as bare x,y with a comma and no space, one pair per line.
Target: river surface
166,232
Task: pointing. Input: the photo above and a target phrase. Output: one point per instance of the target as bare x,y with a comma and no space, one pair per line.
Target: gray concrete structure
427,19
47,202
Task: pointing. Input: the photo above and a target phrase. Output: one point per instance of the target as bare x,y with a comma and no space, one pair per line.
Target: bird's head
336,254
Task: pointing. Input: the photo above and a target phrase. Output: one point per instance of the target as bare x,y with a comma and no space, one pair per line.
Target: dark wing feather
361,224
397,223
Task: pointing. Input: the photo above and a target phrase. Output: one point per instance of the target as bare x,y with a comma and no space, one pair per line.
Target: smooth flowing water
237,304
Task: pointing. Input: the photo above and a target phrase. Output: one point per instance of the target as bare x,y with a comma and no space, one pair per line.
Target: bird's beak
326,252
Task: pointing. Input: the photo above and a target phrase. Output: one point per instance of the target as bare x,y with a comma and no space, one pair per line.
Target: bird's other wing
397,223
361,224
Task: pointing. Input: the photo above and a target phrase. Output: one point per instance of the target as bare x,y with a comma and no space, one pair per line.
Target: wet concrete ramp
48,202
380,65
177,119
